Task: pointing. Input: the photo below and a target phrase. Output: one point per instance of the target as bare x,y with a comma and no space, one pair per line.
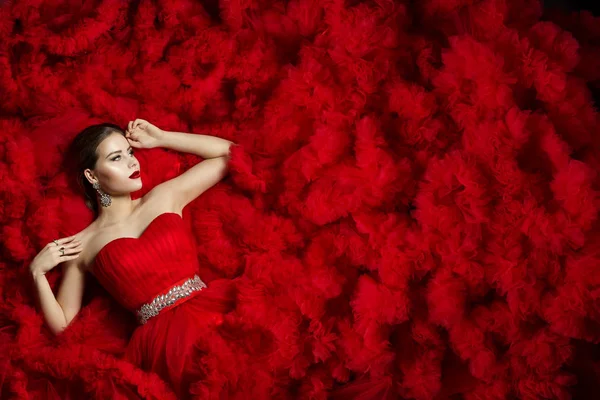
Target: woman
141,250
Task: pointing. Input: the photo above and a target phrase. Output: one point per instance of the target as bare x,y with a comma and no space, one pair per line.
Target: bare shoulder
160,199
147,208
86,236
179,191
157,201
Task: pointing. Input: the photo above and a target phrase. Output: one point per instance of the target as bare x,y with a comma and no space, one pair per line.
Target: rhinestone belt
177,292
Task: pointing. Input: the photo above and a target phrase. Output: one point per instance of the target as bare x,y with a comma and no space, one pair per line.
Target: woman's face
116,162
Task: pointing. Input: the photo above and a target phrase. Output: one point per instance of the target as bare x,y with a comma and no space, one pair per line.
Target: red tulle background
411,212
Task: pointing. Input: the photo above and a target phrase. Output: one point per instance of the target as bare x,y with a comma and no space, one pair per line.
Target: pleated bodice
135,270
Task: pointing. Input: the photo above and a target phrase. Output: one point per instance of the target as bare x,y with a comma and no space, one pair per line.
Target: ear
88,174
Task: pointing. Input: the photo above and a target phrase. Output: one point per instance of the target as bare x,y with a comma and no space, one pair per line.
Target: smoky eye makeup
116,157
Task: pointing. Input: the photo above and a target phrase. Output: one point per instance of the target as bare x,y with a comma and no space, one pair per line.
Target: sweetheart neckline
133,238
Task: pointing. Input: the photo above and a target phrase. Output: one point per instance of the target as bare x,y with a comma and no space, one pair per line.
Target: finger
134,143
71,245
129,125
73,251
64,240
68,251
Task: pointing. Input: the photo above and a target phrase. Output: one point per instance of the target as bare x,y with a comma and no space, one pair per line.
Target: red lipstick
135,175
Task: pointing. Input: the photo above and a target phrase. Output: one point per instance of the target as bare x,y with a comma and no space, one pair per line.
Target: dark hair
83,154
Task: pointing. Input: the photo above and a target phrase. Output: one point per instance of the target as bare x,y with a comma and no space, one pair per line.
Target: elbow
228,152
58,329
227,155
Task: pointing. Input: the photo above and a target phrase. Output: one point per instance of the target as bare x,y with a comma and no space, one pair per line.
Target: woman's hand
142,134
50,256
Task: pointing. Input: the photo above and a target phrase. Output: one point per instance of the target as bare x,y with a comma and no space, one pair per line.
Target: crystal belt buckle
153,308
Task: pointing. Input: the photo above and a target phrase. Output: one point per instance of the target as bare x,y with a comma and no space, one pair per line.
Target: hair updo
83,155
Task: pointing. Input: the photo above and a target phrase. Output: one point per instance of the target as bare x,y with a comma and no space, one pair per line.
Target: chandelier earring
105,198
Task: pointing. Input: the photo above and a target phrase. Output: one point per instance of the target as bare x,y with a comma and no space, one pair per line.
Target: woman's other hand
50,256
141,134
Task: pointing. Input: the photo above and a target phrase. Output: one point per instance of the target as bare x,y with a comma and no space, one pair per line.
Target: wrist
164,138
36,275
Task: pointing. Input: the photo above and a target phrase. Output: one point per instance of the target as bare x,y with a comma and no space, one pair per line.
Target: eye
117,157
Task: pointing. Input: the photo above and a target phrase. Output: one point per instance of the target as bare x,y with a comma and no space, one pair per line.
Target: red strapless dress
137,270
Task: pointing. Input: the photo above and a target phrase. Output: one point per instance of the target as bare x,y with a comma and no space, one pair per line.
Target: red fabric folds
411,210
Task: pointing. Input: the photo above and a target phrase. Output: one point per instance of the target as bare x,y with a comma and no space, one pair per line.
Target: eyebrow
117,151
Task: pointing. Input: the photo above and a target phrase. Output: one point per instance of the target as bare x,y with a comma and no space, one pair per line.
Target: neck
120,209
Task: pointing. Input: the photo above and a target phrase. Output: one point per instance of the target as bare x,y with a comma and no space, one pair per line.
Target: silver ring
62,251
55,242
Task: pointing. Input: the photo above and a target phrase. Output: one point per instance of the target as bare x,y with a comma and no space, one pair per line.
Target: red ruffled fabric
412,210
185,345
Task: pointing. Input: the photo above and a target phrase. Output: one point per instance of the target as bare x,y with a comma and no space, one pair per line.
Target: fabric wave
411,212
